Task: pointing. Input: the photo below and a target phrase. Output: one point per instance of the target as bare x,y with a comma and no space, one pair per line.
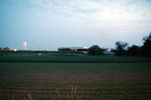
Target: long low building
84,49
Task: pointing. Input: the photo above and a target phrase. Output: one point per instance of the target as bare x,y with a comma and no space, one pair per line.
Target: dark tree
95,50
134,50
146,48
114,51
120,47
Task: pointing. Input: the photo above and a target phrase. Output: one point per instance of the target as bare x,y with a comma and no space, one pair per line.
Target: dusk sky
73,23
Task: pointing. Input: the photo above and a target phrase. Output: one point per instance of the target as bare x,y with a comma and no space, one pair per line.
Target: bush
95,50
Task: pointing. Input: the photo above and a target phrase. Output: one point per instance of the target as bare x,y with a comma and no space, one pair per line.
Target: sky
50,24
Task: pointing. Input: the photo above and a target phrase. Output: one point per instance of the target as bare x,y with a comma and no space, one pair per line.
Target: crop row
79,88
88,85
80,91
67,95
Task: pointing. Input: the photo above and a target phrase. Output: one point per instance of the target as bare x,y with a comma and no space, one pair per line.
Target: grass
73,59
30,98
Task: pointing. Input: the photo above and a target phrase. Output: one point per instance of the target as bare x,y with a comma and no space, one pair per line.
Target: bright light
25,45
14,49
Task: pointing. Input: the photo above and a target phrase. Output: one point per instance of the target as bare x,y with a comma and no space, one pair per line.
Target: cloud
70,21
95,14
90,9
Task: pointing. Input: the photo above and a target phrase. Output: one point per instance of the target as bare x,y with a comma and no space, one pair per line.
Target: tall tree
146,48
120,47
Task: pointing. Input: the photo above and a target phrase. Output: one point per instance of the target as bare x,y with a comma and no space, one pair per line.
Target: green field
124,78
72,59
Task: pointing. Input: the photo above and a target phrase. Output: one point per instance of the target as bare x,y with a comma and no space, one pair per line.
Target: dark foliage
95,50
134,50
146,48
120,48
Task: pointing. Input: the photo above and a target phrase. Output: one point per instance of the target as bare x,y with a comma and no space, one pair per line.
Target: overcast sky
73,23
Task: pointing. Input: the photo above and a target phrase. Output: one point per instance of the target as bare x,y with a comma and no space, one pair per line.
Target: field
111,78
68,58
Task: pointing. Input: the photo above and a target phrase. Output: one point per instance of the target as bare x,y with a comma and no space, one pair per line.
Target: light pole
25,45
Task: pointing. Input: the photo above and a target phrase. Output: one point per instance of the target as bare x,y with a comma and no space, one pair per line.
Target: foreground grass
72,59
72,81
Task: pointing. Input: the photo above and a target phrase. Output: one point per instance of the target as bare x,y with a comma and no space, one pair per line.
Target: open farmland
69,57
51,81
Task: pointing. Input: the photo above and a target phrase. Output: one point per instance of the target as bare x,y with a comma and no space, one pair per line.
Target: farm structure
84,49
5,49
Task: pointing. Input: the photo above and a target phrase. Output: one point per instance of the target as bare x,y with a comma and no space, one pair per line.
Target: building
109,53
83,49
5,49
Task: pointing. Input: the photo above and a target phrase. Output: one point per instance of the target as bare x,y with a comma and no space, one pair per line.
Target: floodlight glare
25,45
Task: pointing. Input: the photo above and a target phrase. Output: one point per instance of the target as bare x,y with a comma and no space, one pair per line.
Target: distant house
109,53
6,49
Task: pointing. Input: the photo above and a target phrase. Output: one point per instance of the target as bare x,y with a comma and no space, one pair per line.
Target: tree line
134,50
123,49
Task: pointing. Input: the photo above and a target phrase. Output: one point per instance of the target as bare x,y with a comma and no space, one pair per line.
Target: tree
146,48
134,50
95,50
114,50
120,47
